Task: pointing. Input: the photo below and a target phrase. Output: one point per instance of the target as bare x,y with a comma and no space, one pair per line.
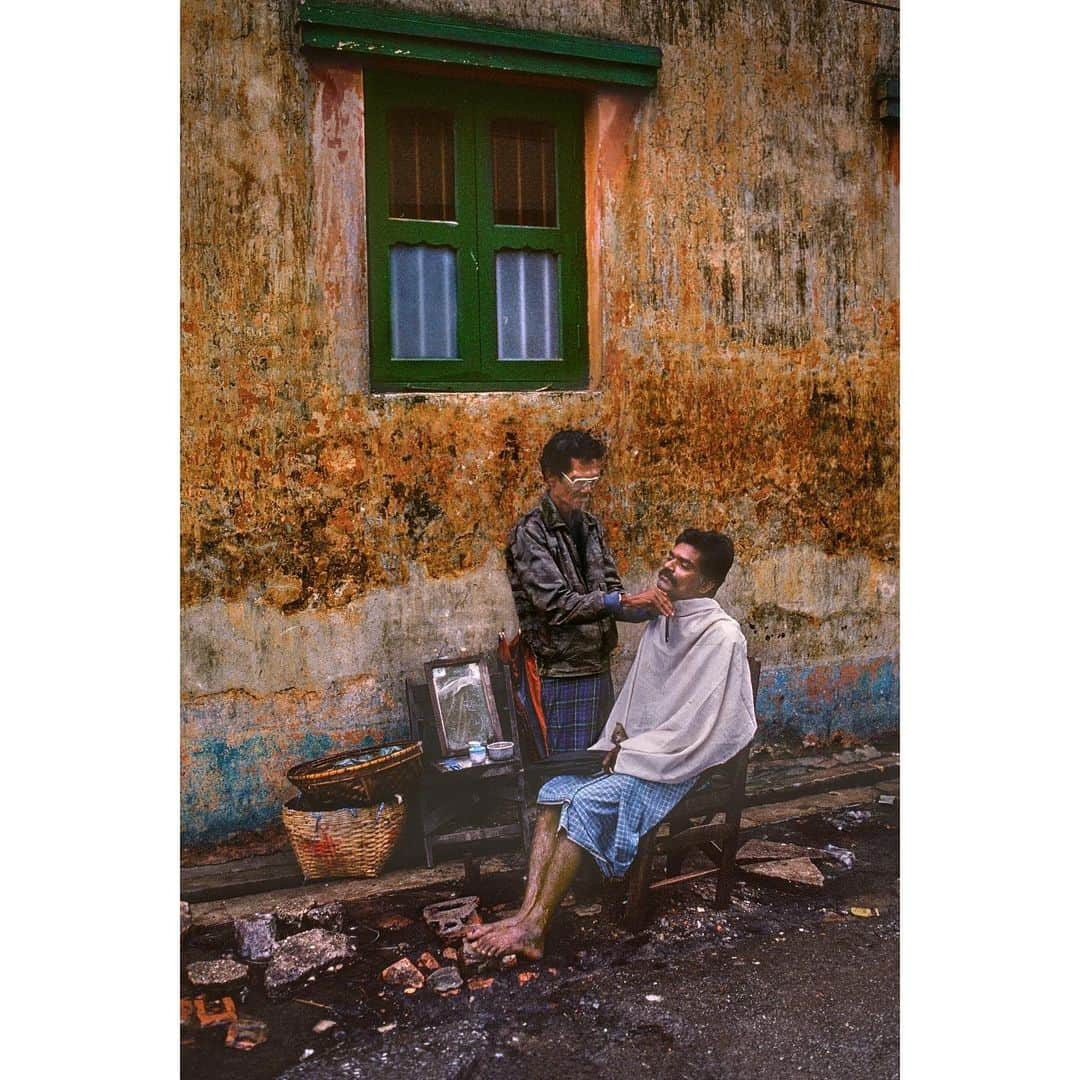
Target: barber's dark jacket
560,602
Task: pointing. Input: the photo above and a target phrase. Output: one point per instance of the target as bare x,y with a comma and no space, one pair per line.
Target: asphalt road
790,985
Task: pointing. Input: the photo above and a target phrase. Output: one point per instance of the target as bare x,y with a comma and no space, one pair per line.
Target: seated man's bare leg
543,844
524,932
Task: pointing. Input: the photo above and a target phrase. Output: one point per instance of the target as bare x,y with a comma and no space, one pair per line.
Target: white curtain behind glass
423,302
527,302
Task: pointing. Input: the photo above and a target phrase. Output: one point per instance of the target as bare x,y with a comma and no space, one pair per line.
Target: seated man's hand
653,598
609,759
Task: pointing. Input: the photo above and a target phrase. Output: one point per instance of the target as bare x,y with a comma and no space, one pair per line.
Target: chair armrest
568,763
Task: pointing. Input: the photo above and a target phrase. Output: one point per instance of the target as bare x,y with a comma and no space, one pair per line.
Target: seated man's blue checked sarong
608,814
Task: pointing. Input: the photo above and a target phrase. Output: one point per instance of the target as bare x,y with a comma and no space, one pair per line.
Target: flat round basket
351,842
355,777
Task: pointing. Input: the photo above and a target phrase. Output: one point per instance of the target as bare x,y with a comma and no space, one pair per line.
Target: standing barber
568,594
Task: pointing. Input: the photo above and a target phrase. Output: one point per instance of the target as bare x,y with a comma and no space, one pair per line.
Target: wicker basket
354,777
353,842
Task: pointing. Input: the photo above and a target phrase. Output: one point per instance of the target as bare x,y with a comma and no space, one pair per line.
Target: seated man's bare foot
513,935
474,933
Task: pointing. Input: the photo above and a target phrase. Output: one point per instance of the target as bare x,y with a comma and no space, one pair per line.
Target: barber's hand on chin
609,759
654,598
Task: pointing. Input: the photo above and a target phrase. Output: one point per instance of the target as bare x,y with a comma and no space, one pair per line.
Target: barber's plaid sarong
575,709
608,814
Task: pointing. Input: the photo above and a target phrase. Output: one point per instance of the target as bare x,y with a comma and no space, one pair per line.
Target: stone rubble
329,916
304,956
444,979
217,975
255,936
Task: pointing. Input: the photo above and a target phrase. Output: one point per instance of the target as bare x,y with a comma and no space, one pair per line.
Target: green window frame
473,236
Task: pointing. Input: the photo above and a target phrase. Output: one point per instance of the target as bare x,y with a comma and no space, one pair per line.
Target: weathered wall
745,220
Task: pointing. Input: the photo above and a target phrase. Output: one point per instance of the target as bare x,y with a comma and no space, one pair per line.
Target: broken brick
403,973
214,1012
479,983
451,954
393,921
428,962
525,976
187,1009
245,1033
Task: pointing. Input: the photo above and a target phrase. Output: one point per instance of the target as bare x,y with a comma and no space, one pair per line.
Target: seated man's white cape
687,703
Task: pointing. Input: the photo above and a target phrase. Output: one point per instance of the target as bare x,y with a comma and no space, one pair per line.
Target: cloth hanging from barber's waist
687,703
517,655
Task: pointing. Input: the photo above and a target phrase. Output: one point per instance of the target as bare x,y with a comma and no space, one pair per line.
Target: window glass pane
527,304
422,165
423,302
523,172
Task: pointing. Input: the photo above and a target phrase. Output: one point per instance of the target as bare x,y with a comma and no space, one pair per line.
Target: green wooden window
476,236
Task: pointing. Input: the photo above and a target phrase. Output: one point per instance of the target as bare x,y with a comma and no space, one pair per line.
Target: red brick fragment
212,1013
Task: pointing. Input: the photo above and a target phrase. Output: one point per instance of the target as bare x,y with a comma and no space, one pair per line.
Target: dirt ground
786,982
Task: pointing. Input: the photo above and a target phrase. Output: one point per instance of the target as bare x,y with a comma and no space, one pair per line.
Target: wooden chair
720,791
444,798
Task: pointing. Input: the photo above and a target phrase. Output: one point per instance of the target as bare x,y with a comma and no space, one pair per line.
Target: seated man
686,706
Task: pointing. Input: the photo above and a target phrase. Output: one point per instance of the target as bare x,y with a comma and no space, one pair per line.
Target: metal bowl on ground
500,751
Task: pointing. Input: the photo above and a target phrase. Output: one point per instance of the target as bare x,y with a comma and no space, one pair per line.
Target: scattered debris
849,819
210,1013
553,971
866,753
584,910
394,921
245,1033
864,912
255,936
317,1004
509,960
843,738
526,976
324,1025
797,871
653,997
478,983
844,856
302,956
832,916
187,1009
886,800
185,919
306,1054
428,962
329,916
384,1028
448,918
568,900
403,973
217,974
766,850
451,954
444,979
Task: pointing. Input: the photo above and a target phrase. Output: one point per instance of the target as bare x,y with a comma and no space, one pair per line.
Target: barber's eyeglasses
581,483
